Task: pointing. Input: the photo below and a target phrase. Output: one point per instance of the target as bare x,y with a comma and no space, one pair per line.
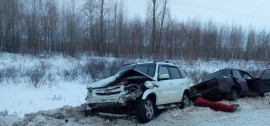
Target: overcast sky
254,13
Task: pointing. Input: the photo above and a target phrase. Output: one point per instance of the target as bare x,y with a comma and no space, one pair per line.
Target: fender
147,93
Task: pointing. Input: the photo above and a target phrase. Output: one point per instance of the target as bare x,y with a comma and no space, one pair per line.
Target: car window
182,73
123,69
143,69
148,69
266,74
237,74
163,70
246,76
151,71
175,74
216,74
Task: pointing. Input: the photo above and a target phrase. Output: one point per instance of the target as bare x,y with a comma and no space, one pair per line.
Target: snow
59,96
21,99
252,111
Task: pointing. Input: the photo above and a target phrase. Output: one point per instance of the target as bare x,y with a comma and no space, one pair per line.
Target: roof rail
164,61
129,64
169,62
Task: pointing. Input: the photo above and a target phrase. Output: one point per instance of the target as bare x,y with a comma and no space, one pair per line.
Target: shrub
35,76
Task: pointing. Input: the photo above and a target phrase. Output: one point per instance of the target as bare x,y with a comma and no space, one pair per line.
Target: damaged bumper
112,96
110,115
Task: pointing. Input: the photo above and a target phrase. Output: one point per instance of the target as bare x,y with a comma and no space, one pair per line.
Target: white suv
141,89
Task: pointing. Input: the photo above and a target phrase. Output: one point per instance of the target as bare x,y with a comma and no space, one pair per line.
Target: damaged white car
139,89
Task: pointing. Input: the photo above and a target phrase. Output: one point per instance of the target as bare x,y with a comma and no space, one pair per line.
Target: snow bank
29,84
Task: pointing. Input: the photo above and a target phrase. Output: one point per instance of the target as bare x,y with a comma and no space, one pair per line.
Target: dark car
231,84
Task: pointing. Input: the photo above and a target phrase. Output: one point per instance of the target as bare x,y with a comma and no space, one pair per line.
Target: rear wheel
234,94
185,101
145,110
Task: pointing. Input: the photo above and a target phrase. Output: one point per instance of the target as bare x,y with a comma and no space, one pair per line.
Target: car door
237,75
264,81
165,91
178,83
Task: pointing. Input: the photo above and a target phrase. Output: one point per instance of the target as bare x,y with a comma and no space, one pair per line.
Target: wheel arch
150,95
230,92
235,87
186,91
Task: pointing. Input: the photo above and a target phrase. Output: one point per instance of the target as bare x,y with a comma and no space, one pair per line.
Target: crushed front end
118,95
112,96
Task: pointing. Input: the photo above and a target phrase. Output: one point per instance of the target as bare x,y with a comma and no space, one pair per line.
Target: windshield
216,74
123,69
266,74
148,69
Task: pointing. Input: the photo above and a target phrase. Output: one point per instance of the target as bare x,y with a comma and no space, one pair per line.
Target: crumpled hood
102,82
108,80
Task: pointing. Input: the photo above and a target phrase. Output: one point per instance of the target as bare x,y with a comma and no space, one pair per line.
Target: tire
234,94
145,110
88,112
185,102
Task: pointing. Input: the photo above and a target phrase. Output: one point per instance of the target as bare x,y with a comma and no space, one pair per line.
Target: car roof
155,62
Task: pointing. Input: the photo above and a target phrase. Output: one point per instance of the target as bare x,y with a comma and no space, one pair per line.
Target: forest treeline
104,28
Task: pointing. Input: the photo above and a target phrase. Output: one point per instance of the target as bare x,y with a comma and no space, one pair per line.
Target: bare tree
53,24
102,12
137,37
90,10
1,25
32,25
40,25
163,13
153,11
10,23
236,37
73,20
47,13
250,44
119,16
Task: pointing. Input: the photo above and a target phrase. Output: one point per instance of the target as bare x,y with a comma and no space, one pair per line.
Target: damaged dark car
231,84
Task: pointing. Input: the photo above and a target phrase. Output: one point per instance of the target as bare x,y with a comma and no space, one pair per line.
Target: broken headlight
122,83
131,88
90,89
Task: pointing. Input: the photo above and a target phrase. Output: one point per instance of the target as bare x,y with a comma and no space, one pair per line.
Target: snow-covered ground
63,82
252,112
21,99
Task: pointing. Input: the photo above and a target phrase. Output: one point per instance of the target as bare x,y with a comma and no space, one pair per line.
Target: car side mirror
164,77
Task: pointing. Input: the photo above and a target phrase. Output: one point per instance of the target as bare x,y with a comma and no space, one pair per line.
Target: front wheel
88,112
185,101
145,110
